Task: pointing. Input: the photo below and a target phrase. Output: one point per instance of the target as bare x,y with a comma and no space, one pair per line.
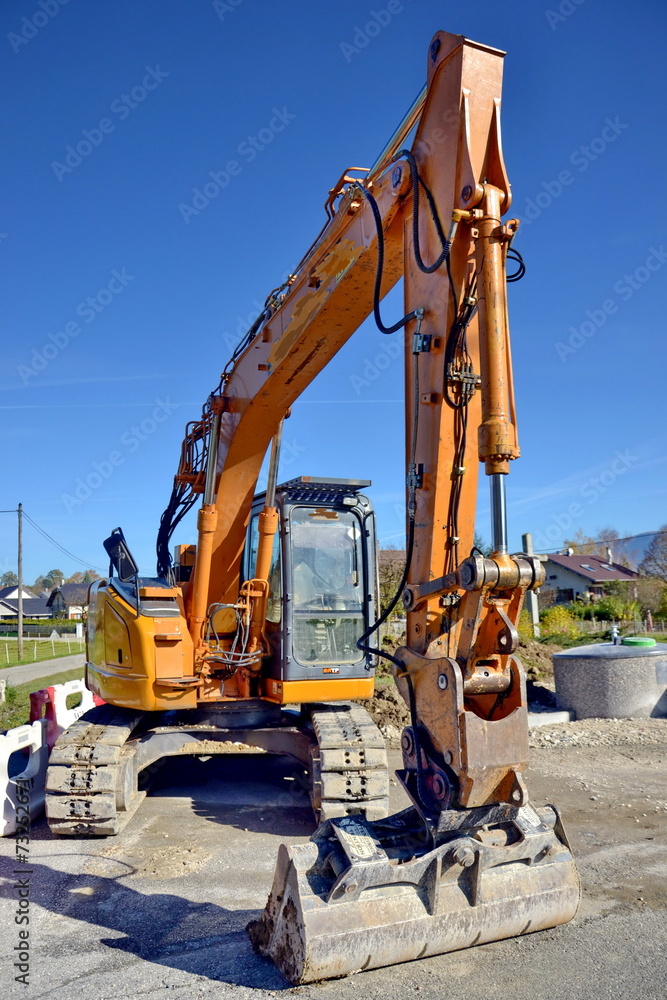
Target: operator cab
323,578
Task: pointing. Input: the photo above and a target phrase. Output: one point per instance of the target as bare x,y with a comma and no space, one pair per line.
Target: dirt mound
536,658
386,707
390,713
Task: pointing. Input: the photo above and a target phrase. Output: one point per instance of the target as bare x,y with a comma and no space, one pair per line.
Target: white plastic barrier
51,703
23,793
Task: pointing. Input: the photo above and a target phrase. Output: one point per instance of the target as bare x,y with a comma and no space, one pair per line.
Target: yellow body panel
128,654
298,692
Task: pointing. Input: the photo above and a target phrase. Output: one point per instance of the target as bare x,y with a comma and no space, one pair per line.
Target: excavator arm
472,860
431,215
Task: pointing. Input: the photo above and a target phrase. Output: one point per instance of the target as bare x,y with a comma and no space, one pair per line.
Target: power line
606,542
71,555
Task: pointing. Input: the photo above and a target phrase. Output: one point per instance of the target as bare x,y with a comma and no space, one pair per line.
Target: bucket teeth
342,902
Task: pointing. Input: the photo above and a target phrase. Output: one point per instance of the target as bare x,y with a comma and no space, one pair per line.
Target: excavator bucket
363,895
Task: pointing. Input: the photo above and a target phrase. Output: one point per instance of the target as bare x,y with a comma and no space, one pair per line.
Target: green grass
35,650
16,709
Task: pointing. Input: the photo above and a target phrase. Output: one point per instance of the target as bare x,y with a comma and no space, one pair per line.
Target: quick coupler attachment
362,895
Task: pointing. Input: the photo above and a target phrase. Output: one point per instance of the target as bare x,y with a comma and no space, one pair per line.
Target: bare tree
391,563
654,562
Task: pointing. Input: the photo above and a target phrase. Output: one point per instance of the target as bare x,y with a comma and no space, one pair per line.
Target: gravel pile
601,732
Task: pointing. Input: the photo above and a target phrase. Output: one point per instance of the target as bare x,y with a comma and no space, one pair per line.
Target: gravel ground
160,910
602,733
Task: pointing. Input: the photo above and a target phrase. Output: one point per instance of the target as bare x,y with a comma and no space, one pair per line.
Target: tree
585,545
9,579
649,591
391,563
615,609
480,544
654,562
52,579
85,578
595,545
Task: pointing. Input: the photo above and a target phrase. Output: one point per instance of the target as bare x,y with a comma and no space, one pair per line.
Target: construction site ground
161,909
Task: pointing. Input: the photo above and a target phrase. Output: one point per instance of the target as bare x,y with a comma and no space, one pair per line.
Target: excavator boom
472,860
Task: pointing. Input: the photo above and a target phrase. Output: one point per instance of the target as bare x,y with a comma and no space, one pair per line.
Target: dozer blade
362,895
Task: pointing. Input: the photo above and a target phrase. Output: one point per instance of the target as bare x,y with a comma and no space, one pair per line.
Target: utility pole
20,576
531,596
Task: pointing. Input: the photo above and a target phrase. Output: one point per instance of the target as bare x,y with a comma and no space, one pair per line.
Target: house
33,607
69,600
13,592
578,576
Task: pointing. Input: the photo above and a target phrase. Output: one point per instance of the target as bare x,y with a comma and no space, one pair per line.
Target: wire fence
38,649
637,625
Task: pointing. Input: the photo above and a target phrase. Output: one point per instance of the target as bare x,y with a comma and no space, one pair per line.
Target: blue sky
120,308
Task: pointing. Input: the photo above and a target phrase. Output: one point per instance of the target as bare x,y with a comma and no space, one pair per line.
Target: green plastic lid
637,640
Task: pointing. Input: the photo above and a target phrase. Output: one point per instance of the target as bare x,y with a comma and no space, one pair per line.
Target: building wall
57,606
62,610
559,578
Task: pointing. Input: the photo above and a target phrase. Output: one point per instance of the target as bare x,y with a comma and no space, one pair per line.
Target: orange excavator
276,606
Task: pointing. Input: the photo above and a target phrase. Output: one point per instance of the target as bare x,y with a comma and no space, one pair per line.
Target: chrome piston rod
498,512
273,466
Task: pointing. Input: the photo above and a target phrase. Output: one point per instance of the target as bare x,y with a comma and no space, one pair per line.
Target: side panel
298,692
151,649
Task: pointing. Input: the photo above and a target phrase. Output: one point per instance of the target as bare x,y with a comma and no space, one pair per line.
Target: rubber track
91,786
350,763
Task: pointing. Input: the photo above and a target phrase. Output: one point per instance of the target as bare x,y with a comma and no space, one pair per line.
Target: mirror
120,556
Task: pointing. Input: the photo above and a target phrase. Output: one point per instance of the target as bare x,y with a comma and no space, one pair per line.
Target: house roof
72,594
32,606
5,591
593,568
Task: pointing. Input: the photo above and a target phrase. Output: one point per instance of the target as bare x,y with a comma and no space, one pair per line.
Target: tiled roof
4,591
72,594
593,568
32,606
